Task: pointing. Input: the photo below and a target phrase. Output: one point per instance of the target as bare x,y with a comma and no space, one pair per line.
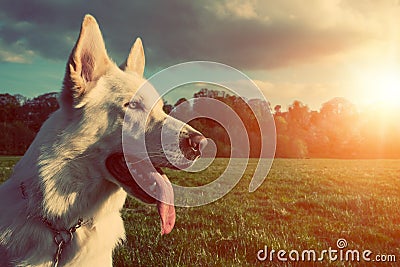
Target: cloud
15,53
245,34
237,8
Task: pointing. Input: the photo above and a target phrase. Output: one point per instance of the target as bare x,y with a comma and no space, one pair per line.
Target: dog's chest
94,244
94,247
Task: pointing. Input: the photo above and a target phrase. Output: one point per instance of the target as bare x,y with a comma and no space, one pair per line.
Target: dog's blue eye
133,105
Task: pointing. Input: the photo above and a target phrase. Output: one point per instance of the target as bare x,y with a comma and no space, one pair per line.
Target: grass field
302,205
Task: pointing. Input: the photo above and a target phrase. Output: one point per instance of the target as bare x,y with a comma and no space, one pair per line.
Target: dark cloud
172,31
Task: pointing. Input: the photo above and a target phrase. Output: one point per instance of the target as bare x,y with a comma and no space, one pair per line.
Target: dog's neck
63,179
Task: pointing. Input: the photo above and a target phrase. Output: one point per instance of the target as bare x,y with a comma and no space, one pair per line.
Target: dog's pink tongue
165,200
167,215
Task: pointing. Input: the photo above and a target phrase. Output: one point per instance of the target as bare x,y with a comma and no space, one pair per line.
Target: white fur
63,172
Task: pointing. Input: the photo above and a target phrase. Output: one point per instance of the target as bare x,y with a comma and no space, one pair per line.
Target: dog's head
97,90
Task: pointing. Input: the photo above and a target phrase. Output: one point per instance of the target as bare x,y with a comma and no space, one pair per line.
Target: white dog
62,204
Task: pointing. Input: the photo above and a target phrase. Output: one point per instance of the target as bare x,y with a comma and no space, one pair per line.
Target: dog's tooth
133,170
153,187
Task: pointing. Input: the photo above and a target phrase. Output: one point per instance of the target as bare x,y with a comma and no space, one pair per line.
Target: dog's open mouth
154,188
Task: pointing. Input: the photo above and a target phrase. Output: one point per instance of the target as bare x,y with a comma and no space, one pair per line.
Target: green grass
303,204
6,165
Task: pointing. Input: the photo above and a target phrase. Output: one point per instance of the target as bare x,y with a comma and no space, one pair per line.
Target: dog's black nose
197,142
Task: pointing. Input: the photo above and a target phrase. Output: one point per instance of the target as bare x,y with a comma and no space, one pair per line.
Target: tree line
337,130
21,119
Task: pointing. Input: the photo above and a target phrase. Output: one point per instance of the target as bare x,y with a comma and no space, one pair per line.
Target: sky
311,51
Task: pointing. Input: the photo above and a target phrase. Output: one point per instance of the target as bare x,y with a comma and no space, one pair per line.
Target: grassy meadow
302,205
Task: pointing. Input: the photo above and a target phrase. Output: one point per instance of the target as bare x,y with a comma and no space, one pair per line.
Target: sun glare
388,88
381,87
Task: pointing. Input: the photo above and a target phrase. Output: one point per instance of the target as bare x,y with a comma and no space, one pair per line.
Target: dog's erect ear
135,61
87,63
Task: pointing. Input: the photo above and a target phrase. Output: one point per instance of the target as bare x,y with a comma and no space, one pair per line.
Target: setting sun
380,86
388,88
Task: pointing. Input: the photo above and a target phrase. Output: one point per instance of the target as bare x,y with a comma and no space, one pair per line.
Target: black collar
62,237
